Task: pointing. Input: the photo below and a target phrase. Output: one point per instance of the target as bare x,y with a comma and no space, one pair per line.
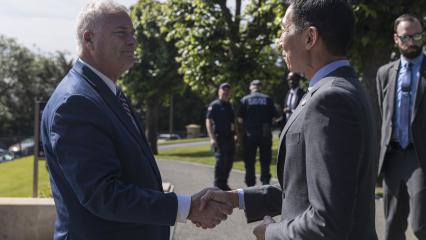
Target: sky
46,26
43,25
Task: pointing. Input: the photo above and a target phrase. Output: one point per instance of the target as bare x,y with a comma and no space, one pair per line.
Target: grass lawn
185,140
203,155
16,178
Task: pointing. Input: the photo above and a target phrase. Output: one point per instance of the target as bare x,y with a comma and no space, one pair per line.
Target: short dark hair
334,20
406,17
294,76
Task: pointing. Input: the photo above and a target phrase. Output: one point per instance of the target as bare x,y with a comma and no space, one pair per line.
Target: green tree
153,78
373,41
217,44
24,76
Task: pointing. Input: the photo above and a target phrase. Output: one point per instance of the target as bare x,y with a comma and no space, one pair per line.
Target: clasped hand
207,213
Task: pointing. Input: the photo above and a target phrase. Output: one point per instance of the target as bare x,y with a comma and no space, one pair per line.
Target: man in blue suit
104,178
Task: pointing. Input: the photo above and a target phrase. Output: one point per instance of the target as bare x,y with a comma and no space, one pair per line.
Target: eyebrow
124,28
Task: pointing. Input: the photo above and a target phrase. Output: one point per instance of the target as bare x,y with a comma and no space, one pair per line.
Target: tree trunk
153,104
378,57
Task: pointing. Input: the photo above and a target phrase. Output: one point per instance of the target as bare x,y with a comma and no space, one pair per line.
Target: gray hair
92,14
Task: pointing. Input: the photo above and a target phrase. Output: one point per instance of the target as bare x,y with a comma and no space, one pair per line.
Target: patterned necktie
404,116
126,106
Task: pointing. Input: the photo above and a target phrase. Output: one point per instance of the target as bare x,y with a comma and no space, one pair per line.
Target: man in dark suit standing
327,154
104,178
293,97
401,93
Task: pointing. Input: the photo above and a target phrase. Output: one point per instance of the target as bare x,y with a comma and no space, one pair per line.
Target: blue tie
404,121
126,106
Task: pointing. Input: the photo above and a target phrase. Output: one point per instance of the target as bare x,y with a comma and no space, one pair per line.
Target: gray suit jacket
326,167
386,89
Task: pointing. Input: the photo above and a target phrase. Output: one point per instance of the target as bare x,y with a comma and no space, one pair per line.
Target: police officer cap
255,82
225,85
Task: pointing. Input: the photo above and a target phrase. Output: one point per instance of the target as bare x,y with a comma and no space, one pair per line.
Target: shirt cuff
241,203
184,205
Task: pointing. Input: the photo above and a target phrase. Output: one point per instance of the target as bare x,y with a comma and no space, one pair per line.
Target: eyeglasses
415,37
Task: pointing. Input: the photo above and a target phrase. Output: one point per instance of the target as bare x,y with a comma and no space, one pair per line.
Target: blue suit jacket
104,178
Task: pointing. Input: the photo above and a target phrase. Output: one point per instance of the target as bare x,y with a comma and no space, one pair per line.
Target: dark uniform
222,116
257,111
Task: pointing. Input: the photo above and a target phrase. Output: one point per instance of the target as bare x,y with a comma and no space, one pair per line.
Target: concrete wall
33,218
26,218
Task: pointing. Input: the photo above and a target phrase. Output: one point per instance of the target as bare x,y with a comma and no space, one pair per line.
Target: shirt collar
416,61
294,90
111,85
324,71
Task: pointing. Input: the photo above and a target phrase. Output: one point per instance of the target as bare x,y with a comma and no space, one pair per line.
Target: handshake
210,206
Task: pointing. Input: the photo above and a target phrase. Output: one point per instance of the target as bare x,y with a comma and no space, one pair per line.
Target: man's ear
395,39
311,37
88,38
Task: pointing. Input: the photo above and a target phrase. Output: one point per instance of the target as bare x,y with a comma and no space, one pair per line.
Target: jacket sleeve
262,201
333,147
82,142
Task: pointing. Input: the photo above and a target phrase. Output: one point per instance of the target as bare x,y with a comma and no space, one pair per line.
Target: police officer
220,126
257,113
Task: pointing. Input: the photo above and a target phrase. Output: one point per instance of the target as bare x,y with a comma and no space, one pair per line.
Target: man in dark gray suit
327,154
401,93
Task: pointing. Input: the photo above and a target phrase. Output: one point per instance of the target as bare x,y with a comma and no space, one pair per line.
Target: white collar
294,90
111,85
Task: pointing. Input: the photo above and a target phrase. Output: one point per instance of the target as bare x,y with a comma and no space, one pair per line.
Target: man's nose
131,40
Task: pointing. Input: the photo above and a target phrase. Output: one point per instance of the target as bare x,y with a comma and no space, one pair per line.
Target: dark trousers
224,153
251,143
404,194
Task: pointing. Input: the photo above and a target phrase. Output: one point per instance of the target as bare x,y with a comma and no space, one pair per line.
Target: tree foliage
373,41
217,45
208,42
24,76
154,78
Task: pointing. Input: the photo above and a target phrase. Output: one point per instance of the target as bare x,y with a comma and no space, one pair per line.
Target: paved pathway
180,145
189,178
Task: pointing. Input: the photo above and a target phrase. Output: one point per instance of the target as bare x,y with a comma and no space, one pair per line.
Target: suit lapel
111,99
392,87
342,71
108,96
420,89
304,101
145,140
302,104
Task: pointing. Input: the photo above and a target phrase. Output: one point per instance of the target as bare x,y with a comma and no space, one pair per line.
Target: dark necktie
126,106
292,101
404,121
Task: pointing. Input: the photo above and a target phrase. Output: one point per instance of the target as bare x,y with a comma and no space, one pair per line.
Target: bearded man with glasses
401,89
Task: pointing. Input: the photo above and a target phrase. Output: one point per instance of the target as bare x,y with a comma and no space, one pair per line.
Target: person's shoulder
386,67
338,93
214,102
259,94
244,98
